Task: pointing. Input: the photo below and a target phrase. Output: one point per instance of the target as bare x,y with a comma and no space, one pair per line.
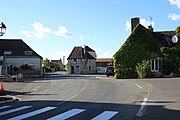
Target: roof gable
80,53
17,46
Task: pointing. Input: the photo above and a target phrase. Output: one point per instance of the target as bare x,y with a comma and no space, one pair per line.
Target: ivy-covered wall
139,46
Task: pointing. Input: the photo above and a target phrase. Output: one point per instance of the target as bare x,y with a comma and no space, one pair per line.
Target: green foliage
66,67
172,58
138,47
178,31
48,66
111,63
143,69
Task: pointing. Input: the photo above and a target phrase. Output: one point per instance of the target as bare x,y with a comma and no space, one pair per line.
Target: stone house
59,62
144,44
82,61
16,56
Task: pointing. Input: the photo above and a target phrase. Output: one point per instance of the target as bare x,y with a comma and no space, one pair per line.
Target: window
77,68
155,65
7,52
32,66
28,52
89,68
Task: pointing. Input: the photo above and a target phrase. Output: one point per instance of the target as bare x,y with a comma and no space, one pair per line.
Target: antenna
150,20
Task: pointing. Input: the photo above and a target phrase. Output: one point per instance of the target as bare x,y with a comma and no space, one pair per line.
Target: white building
17,56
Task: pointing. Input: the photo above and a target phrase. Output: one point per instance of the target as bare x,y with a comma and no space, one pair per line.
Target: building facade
17,56
82,61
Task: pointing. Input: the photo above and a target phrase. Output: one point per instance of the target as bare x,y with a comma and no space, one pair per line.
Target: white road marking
20,117
105,115
4,107
141,110
36,89
139,86
14,110
67,114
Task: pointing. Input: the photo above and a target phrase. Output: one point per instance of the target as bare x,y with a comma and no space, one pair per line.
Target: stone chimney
150,28
134,21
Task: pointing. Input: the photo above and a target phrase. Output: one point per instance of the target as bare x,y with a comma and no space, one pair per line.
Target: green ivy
138,47
143,69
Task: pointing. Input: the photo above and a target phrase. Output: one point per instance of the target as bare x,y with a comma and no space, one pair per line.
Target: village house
160,50
102,64
17,57
82,61
59,62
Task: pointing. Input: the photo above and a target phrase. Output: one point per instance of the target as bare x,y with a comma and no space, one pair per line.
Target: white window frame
7,52
155,65
27,53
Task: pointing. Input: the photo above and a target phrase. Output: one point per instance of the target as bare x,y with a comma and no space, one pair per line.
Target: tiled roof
80,53
104,59
164,37
17,46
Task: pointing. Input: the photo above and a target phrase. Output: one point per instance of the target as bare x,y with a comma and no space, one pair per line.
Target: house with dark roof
82,60
16,56
59,63
157,51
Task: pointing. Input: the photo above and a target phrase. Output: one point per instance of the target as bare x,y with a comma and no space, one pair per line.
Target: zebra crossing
5,111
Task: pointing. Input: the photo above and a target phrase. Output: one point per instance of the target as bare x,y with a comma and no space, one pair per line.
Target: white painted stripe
3,107
67,114
36,89
14,110
141,110
32,113
105,115
139,86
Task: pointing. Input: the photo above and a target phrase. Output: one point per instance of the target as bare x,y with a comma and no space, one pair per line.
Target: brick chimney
134,21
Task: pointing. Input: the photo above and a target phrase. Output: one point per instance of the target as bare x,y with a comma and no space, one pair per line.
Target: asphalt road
81,97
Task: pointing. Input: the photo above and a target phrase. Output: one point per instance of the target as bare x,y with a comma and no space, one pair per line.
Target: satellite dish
174,39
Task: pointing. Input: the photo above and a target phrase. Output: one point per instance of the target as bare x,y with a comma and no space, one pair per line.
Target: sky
53,27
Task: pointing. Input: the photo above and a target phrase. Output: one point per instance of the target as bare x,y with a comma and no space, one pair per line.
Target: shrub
143,69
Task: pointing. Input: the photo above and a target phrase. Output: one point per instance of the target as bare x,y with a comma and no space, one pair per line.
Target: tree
111,63
178,31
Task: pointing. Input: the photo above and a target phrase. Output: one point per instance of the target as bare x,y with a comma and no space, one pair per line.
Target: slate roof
17,46
164,37
80,53
88,49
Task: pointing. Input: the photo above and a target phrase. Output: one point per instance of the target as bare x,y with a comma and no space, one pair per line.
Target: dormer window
28,52
7,52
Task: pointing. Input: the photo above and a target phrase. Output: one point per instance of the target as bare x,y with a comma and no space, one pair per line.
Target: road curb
10,99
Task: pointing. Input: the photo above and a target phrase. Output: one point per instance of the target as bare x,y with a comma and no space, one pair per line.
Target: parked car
110,71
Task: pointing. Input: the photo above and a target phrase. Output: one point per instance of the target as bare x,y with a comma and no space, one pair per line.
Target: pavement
7,96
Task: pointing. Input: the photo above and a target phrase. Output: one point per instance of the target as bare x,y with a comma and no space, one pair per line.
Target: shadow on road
125,111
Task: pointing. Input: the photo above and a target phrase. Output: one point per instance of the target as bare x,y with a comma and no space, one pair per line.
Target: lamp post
2,29
2,60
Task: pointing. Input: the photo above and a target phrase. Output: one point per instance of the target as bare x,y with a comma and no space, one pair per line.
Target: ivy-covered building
146,53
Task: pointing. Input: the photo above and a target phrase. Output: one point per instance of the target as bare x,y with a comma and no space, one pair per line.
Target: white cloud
128,25
82,37
175,2
39,31
27,33
174,16
143,22
63,32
